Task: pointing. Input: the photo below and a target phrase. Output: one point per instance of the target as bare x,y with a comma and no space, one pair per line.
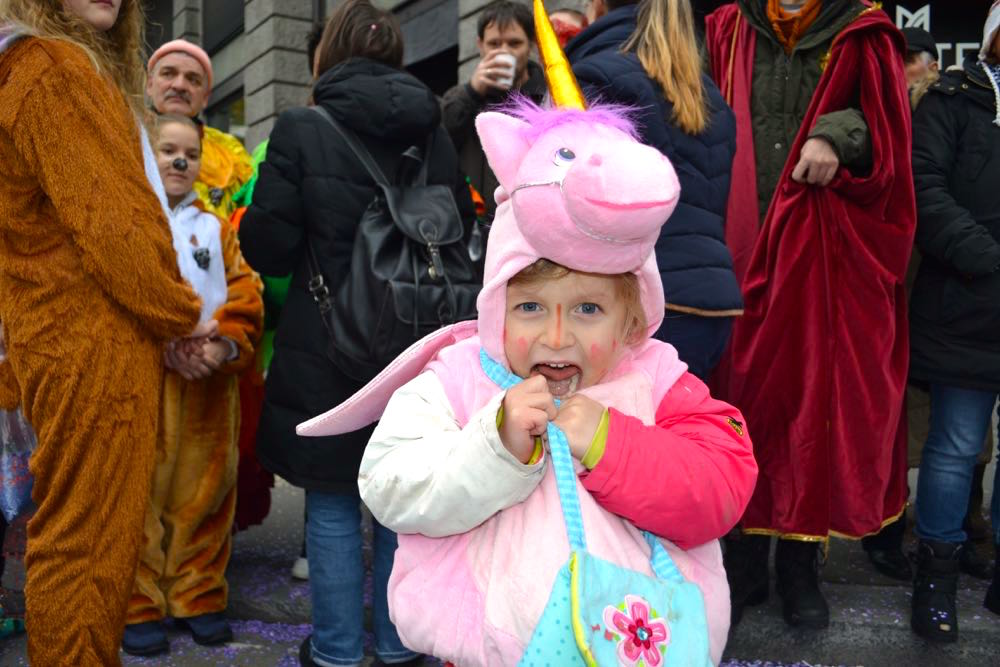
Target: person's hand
579,418
209,329
489,69
527,409
185,357
215,353
818,163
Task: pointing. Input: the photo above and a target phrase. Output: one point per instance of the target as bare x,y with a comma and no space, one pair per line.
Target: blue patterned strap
562,464
562,461
661,562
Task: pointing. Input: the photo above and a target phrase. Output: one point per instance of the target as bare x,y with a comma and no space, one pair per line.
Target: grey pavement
869,626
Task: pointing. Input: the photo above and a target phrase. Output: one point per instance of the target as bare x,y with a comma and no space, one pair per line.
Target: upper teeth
558,365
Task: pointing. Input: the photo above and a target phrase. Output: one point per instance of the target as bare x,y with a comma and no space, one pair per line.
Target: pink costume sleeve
687,478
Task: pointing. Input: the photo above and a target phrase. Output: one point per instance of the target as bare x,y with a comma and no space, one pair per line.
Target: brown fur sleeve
241,318
10,392
82,142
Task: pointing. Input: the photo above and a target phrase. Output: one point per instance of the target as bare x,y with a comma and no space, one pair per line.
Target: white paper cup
505,61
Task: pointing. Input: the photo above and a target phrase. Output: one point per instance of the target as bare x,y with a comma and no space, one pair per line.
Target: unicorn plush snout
625,194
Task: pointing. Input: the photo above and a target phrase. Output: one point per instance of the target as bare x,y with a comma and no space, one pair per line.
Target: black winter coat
695,264
312,187
955,305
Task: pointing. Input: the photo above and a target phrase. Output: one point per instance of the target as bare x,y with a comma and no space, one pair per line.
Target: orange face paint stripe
558,324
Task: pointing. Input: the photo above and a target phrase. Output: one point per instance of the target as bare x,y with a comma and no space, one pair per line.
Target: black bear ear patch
736,426
202,258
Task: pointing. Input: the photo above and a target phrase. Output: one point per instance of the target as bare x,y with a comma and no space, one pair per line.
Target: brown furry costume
89,293
188,532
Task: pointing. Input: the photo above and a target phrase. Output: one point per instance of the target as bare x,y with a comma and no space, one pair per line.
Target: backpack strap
422,175
356,147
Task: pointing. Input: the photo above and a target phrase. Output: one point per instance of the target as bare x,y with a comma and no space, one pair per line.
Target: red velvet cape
818,362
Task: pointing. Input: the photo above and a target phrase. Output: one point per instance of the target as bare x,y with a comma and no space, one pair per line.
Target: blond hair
626,283
920,89
664,41
116,53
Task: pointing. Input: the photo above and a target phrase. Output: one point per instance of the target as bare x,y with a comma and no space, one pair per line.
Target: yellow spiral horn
563,85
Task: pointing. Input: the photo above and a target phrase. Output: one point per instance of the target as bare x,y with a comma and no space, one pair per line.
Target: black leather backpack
412,268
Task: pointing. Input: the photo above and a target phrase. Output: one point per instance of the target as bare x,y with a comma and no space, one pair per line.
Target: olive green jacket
782,89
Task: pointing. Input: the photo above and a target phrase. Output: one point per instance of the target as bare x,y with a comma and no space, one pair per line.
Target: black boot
975,525
746,569
992,601
796,564
973,563
934,615
885,550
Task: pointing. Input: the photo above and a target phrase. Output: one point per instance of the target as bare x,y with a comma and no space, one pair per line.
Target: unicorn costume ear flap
503,141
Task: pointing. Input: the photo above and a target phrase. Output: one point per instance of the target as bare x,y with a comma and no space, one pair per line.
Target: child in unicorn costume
570,300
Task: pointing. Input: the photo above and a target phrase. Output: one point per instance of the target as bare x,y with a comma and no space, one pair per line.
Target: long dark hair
356,28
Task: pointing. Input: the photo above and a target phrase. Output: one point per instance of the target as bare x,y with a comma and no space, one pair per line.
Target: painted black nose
180,164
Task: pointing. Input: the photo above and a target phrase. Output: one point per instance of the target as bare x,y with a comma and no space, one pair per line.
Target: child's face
569,329
178,155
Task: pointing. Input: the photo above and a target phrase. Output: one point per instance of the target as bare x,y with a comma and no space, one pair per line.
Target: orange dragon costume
89,293
189,521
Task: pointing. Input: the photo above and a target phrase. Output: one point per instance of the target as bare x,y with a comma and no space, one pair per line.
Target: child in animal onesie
570,300
189,519
89,295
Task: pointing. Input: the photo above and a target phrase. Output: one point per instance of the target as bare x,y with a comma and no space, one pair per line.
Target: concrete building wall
187,20
276,75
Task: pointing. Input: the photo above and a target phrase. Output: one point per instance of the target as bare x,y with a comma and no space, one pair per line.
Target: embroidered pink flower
642,636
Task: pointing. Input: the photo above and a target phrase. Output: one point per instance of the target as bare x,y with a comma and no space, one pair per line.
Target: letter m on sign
918,19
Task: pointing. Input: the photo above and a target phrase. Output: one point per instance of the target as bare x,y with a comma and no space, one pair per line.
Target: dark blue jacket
695,264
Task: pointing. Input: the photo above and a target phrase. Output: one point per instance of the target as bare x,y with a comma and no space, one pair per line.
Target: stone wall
276,76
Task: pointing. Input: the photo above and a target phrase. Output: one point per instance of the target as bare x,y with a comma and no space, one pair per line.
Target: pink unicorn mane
542,119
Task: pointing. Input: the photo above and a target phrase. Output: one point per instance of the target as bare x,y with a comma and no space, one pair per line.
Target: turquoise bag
600,614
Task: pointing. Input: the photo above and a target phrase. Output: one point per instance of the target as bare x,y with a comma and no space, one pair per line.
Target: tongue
556,374
562,381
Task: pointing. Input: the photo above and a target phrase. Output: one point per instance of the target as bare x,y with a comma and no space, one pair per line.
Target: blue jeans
959,421
336,577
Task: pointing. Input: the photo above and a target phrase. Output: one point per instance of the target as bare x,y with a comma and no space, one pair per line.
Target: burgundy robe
818,362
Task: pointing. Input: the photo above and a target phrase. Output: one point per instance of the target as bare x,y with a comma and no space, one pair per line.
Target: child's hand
527,409
579,418
215,353
185,358
204,331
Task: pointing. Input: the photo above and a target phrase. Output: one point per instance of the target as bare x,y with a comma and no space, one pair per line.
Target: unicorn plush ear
503,141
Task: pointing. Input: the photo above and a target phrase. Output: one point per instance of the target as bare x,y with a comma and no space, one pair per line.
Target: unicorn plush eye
563,157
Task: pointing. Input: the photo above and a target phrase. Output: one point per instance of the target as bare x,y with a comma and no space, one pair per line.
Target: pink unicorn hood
576,188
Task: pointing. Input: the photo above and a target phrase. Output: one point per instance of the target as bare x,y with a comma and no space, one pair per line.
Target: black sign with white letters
957,25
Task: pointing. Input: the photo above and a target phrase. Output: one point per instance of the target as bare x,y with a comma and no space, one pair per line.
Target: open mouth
563,378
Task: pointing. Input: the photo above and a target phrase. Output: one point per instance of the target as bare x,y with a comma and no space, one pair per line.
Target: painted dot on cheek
596,351
522,343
